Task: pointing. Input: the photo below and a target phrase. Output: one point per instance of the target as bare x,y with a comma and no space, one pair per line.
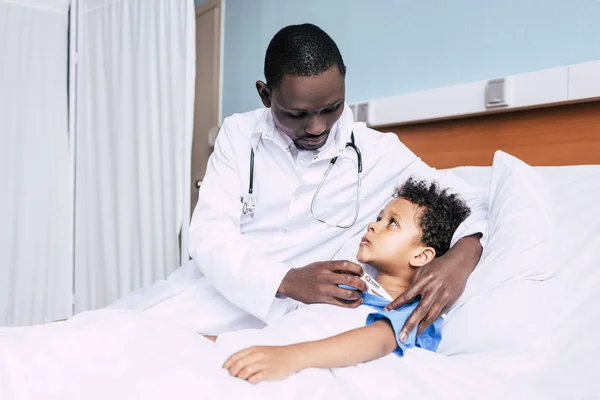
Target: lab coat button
283,231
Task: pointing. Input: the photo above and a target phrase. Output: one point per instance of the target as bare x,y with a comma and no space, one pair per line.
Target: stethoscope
250,205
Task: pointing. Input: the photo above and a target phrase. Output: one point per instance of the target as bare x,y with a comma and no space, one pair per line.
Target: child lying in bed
413,228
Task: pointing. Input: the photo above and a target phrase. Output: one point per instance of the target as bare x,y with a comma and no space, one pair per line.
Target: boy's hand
263,363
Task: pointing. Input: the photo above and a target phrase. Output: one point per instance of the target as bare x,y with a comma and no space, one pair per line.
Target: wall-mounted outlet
497,93
362,112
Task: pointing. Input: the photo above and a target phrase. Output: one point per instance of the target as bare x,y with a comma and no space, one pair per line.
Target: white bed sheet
126,354
123,354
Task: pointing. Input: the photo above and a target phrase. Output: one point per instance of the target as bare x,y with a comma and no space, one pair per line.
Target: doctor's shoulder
242,125
370,137
376,143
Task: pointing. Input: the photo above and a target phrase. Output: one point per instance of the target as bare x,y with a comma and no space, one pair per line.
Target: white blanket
121,354
494,346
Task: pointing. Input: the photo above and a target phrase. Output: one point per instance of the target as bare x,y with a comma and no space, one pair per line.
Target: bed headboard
567,134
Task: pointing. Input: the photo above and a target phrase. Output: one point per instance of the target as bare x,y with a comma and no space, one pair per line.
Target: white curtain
134,131
36,267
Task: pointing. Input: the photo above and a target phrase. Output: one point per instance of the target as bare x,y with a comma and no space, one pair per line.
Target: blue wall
400,46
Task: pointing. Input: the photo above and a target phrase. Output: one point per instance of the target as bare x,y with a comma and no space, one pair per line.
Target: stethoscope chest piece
249,206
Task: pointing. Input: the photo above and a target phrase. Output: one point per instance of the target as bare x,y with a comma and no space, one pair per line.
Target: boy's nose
372,226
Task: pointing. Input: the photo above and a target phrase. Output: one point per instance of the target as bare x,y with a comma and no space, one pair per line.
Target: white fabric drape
135,102
35,196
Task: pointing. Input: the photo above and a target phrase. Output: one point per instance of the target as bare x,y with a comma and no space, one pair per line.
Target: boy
413,228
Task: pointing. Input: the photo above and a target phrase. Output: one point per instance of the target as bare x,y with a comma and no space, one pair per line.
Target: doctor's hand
318,283
439,284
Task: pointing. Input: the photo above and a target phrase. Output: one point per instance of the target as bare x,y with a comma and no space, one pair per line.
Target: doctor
276,213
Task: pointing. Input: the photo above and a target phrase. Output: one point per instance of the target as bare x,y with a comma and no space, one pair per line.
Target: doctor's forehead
311,93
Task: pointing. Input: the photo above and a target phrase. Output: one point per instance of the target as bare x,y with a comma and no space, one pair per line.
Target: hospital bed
533,336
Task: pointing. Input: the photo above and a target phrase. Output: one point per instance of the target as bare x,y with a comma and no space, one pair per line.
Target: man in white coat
287,195
274,211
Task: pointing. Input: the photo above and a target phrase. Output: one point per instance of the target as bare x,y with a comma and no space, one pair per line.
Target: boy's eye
394,223
297,116
378,219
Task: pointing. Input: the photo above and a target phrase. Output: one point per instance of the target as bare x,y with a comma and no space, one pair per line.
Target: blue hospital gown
429,339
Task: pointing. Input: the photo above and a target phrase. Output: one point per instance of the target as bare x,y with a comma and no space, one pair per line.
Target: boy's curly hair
440,212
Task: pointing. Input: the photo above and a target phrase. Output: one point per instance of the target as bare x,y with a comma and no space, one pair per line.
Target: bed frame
567,134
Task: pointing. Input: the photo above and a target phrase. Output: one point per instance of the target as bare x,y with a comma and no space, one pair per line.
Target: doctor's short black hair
301,50
441,212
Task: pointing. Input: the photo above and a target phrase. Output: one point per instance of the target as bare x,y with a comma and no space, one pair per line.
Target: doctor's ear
422,256
264,92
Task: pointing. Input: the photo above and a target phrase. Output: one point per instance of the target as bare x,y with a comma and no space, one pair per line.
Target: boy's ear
423,256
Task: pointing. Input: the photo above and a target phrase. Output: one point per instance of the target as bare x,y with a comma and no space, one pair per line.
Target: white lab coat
245,257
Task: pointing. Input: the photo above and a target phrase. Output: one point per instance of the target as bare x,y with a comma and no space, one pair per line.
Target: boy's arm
257,364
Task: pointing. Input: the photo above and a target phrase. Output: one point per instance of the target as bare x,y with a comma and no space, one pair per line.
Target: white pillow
501,322
520,228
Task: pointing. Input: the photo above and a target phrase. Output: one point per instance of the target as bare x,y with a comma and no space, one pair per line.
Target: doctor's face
305,108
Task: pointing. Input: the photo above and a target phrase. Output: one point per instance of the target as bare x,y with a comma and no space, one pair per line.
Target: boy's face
394,239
